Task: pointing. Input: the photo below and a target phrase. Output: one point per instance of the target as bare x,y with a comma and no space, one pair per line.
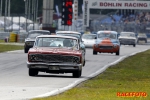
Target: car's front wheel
33,72
26,50
118,52
145,41
77,74
134,45
94,52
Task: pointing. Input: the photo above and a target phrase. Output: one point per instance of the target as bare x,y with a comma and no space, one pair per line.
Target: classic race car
56,54
89,40
107,42
73,34
29,41
141,37
127,38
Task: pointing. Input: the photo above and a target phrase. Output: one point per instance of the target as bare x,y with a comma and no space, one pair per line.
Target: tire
77,74
134,45
84,51
118,52
33,72
145,41
26,50
84,63
94,52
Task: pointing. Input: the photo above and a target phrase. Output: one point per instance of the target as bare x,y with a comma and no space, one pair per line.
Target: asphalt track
15,84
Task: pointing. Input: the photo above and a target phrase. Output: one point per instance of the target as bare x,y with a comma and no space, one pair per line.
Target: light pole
6,10
1,8
48,15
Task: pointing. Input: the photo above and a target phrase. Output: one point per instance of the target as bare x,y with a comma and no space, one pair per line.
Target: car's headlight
28,43
76,60
115,46
33,57
96,45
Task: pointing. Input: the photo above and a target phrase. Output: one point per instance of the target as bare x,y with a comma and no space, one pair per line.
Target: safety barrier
7,35
13,37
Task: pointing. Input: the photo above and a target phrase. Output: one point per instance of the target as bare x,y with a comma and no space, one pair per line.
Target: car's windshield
88,36
56,42
106,35
143,35
127,34
70,34
34,34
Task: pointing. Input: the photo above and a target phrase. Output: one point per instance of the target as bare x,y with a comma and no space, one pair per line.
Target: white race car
127,38
89,40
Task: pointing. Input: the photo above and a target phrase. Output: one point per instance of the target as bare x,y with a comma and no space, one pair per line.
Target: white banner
97,4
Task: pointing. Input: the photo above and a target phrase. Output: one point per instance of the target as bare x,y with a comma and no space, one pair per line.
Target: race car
127,38
56,54
106,42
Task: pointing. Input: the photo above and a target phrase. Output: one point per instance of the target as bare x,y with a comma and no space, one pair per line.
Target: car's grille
30,43
55,58
126,39
106,47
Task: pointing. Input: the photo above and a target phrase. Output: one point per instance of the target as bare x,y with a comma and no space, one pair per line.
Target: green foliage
4,47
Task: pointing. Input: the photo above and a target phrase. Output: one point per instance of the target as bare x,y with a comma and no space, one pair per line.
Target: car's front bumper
50,66
107,50
142,39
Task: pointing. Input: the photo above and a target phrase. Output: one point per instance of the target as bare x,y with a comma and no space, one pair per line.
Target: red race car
56,54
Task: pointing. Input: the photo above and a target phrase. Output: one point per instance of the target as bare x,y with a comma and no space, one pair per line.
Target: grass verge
2,41
4,48
130,75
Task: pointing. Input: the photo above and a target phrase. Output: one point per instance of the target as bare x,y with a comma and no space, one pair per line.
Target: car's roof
39,31
57,36
107,31
74,32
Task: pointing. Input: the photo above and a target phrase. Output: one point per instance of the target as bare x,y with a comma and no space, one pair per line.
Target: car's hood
30,39
142,37
126,37
89,40
106,41
47,50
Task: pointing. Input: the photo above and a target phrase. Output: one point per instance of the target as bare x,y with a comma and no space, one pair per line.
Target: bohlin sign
119,4
99,4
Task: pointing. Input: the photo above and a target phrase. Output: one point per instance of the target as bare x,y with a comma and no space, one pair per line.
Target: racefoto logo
131,94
